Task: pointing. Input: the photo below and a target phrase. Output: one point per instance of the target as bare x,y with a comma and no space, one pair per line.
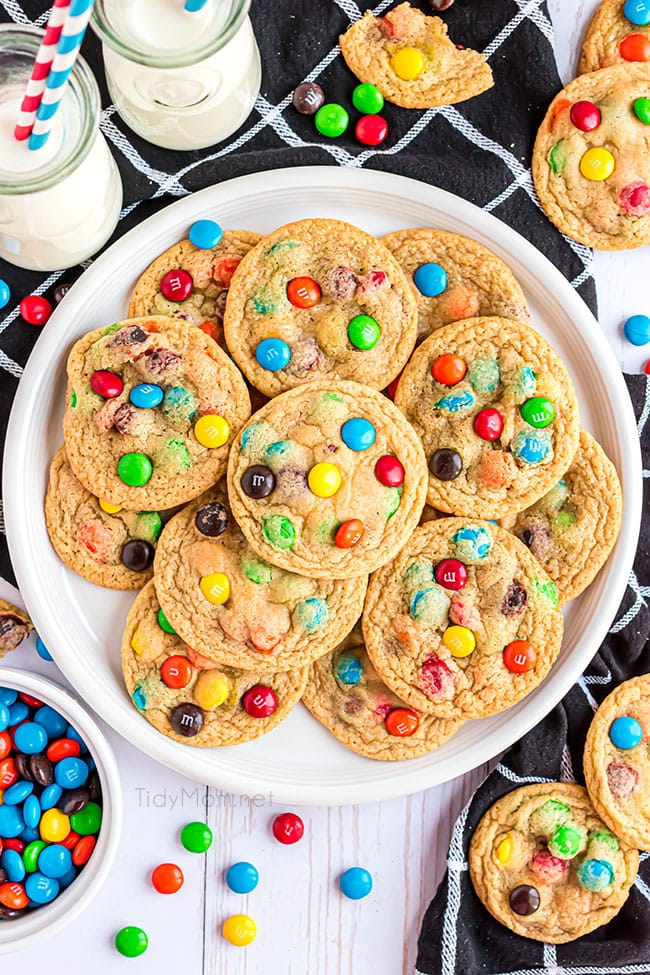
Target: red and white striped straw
44,58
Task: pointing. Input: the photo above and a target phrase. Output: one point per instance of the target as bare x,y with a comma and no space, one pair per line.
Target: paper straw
67,50
44,57
194,5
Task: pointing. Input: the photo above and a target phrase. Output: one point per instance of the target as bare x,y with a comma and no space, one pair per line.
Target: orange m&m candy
167,878
176,671
349,533
303,292
519,656
635,47
401,722
448,369
13,896
8,773
5,744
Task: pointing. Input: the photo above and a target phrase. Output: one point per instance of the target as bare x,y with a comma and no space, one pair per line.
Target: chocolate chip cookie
572,530
231,605
591,162
545,866
347,695
152,407
463,622
454,277
497,414
410,58
327,480
617,761
619,33
191,283
319,299
191,698
104,543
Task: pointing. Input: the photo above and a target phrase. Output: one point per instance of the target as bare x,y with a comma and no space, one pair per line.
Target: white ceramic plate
81,624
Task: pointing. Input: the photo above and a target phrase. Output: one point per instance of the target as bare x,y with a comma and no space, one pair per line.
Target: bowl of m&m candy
60,808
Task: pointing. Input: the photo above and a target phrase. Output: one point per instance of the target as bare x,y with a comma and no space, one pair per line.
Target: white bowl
45,920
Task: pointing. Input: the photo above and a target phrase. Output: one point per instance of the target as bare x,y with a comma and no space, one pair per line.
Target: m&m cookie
347,695
619,33
15,625
572,529
319,299
102,542
497,414
410,58
545,865
192,698
463,622
617,761
152,407
454,277
591,161
327,480
233,606
190,280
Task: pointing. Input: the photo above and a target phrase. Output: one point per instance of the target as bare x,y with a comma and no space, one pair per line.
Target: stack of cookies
399,565
591,162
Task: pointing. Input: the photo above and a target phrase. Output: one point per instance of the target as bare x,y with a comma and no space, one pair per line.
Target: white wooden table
305,926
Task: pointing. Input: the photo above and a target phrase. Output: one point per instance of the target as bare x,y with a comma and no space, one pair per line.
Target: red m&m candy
448,369
81,848
519,657
401,722
105,383
451,574
176,285
303,292
35,309
391,389
288,828
585,116
635,47
176,671
389,471
260,701
371,130
488,424
225,269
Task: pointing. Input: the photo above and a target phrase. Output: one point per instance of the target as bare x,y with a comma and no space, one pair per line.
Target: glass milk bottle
180,79
58,204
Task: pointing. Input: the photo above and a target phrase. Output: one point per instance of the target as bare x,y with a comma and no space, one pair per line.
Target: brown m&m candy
308,98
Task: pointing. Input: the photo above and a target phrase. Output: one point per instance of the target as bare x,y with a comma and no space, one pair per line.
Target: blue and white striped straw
194,5
66,54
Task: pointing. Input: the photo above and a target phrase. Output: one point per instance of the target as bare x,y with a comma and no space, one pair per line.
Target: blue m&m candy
205,234
41,889
242,877
17,713
30,738
358,434
595,874
273,354
8,696
54,723
70,773
146,396
349,669
355,883
55,861
50,796
430,280
626,733
4,717
637,12
18,792
42,650
13,865
11,822
637,329
31,812
5,293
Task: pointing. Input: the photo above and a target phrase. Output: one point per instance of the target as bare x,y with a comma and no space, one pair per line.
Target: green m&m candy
363,332
367,99
566,842
538,411
134,469
642,110
279,531
164,623
131,941
331,120
87,821
196,837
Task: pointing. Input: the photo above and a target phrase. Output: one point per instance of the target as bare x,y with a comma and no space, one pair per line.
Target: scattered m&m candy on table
131,941
239,930
637,329
371,130
331,120
196,837
355,883
35,309
5,293
308,98
242,877
167,878
367,99
288,828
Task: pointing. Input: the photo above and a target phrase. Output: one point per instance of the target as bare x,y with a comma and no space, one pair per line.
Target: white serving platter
300,762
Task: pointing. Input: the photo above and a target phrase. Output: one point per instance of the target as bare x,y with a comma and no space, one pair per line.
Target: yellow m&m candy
503,851
136,643
212,430
240,929
211,689
408,63
459,641
54,826
110,509
215,587
324,480
597,164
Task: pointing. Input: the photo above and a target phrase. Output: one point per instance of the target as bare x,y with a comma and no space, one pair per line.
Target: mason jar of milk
181,79
58,204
